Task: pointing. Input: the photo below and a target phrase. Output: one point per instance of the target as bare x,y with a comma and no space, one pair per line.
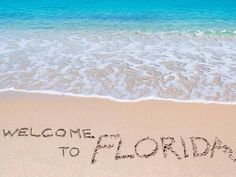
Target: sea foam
124,65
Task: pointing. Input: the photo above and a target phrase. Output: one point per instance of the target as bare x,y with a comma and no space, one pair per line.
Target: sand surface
125,124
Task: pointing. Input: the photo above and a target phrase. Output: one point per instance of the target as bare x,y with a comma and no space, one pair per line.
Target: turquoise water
124,49
149,15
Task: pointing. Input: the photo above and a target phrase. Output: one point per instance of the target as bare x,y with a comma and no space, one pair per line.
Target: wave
111,98
194,27
123,65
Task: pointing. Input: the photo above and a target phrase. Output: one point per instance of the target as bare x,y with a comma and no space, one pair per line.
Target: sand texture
116,139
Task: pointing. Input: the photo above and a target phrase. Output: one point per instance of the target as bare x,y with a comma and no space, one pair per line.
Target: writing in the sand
144,148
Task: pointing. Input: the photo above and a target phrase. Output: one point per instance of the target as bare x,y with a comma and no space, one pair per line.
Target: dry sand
29,156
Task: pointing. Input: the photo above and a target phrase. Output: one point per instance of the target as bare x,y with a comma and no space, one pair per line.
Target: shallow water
110,14
123,65
183,50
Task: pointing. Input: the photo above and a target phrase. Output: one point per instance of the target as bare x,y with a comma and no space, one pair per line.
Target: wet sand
38,120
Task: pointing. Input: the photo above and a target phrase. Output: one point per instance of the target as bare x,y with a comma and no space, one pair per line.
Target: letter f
100,146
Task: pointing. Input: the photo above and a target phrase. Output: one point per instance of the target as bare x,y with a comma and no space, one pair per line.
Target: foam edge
114,99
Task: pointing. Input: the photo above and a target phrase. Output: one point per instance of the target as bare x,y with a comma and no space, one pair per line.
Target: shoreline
110,98
121,65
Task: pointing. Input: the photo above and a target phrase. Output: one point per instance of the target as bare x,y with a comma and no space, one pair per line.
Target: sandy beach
128,88
58,136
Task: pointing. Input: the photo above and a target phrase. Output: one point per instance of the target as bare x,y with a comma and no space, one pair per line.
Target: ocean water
127,49
143,15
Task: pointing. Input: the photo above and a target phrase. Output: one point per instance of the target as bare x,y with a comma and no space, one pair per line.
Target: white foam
111,98
121,65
